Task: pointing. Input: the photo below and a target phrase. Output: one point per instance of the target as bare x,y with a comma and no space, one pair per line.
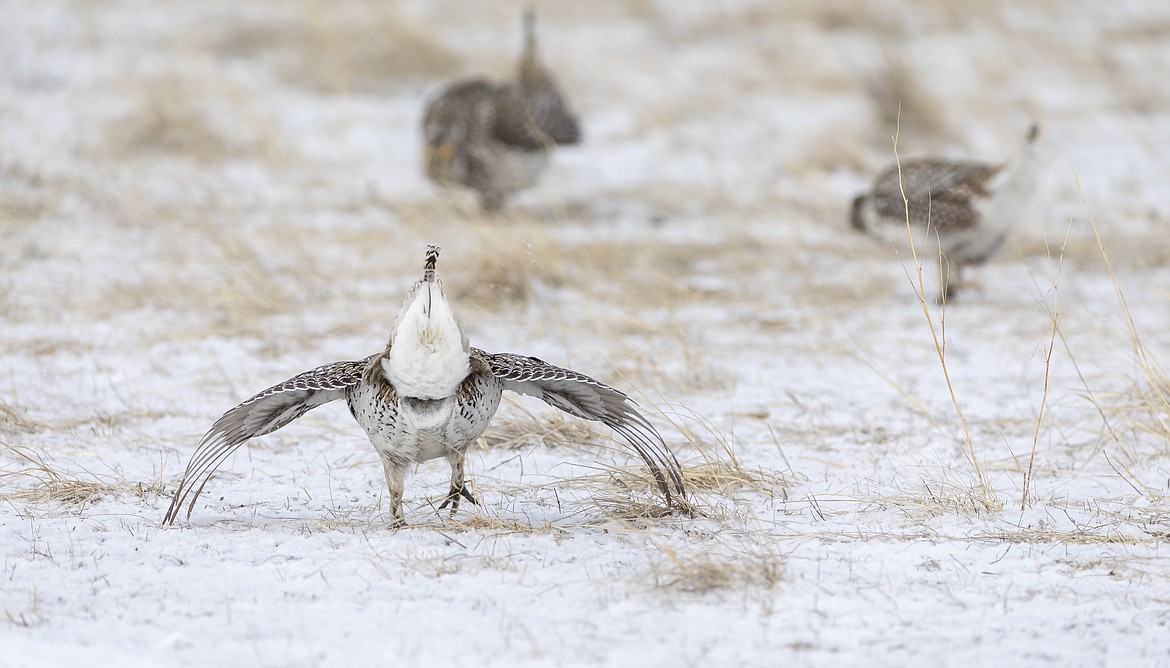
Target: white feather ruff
428,356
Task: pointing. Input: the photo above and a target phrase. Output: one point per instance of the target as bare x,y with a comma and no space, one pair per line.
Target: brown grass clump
834,148
1103,536
899,102
1147,410
942,497
729,476
196,112
708,571
487,262
512,432
485,524
630,494
625,493
492,262
36,482
363,46
25,193
234,278
263,277
633,503
1147,248
14,419
713,483
499,270
696,374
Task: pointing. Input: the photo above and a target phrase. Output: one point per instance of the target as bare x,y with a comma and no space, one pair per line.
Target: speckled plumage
963,210
408,429
495,138
939,193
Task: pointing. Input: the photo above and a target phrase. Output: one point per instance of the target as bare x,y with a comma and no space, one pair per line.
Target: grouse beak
857,213
430,278
440,153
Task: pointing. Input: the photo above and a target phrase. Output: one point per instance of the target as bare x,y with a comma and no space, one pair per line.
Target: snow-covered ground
198,200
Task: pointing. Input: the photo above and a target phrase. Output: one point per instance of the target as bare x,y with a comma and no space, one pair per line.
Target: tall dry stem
1156,394
938,334
1055,313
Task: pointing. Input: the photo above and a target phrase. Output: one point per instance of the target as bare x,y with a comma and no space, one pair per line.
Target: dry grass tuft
629,493
363,46
14,419
1147,248
901,105
498,526
834,148
708,571
941,497
25,193
720,470
1055,317
625,493
491,261
725,477
514,432
695,375
196,112
496,261
665,275
32,616
498,270
262,277
1103,536
634,501
718,453
234,278
1147,409
34,481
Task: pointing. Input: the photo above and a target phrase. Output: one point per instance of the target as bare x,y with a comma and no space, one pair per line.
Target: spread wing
262,414
586,398
533,120
938,192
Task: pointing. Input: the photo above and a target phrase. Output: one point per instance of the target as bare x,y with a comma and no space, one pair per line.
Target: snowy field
201,199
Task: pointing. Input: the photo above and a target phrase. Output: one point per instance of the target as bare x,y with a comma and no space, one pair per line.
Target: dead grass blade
15,419
1054,314
34,481
1148,409
938,337
705,571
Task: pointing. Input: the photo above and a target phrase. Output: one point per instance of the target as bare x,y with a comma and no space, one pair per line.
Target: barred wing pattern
586,398
938,192
533,121
262,414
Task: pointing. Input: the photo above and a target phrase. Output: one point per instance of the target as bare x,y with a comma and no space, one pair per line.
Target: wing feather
262,414
589,399
533,120
939,193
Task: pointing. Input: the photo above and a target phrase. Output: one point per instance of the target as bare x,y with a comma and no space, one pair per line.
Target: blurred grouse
960,210
495,138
